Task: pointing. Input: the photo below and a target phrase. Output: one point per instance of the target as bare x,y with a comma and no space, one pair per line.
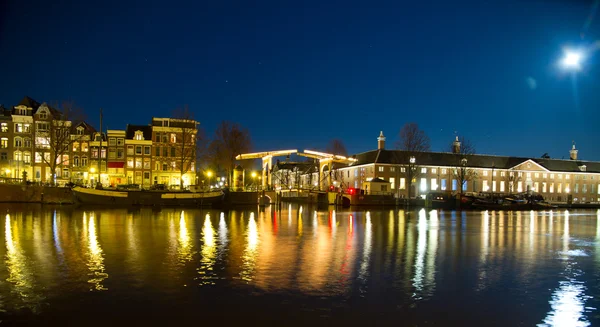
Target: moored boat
84,195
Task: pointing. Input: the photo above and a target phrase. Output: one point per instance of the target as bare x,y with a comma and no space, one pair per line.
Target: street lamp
253,178
209,174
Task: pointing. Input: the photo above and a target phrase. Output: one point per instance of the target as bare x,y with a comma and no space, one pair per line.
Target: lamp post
254,179
209,174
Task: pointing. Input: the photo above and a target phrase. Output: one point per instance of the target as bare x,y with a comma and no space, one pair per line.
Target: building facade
557,180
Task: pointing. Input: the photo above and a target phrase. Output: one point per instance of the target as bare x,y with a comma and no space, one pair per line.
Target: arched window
75,161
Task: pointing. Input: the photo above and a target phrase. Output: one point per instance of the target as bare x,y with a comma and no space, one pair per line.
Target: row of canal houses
162,152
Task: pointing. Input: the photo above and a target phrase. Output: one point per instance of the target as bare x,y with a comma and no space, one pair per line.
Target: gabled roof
89,129
29,102
446,159
146,130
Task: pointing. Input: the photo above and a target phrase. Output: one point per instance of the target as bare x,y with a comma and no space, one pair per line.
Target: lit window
551,175
485,173
84,161
381,169
173,138
545,175
129,162
403,183
567,176
38,157
444,172
139,136
423,170
4,143
75,146
4,127
528,175
84,147
27,157
392,169
18,156
433,170
501,186
502,174
138,162
537,175
403,170
551,188
443,184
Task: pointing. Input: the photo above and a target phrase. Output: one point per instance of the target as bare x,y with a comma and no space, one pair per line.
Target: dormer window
583,168
139,136
79,130
43,115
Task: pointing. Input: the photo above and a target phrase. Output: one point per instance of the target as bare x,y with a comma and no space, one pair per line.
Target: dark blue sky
300,73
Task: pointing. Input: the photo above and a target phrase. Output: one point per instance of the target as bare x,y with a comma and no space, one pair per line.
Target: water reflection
184,251
20,274
395,260
568,300
250,253
209,253
95,256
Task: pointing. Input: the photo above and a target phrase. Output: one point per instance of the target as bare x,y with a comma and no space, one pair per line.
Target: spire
456,145
573,152
381,141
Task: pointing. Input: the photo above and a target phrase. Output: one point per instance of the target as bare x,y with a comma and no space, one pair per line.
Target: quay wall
22,193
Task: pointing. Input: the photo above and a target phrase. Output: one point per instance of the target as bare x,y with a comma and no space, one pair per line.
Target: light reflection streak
420,258
485,249
95,257
209,253
364,266
315,223
568,300
250,253
222,234
20,274
432,245
185,243
55,235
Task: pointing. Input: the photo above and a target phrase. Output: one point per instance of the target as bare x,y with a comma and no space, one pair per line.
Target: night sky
300,73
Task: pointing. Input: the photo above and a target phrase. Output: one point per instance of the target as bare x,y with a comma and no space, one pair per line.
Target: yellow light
253,174
92,170
209,173
8,171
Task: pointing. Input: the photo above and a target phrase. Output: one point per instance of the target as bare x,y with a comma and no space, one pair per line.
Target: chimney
456,146
573,152
381,141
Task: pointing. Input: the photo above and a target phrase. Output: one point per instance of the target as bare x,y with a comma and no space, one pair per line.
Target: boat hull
145,198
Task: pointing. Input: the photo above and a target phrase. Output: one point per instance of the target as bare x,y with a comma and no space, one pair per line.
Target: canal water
298,266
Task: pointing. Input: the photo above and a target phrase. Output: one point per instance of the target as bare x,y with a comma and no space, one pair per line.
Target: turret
573,153
381,141
456,146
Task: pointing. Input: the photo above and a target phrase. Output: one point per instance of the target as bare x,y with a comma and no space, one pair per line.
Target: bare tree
230,140
186,143
336,146
413,142
513,178
461,172
53,134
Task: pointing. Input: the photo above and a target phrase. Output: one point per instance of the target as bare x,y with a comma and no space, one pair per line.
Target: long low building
557,180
